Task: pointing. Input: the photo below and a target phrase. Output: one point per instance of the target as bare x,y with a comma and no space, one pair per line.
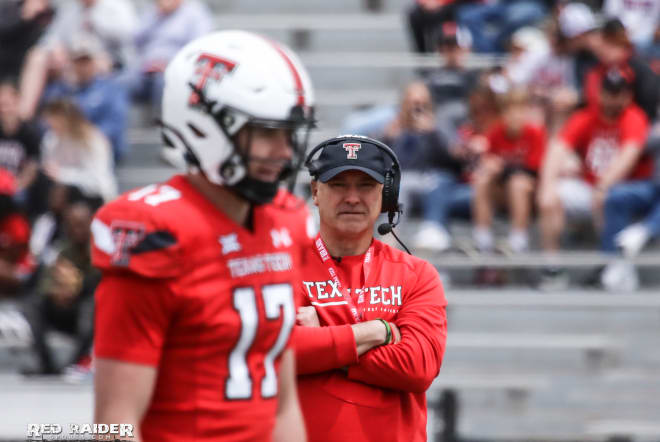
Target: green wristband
388,335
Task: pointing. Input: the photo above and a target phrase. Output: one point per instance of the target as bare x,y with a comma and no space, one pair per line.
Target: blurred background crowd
556,136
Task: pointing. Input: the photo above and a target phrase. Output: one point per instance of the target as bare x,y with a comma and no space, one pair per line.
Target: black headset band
382,146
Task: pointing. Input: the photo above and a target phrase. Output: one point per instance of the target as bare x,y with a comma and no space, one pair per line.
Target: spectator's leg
475,17
482,209
85,328
36,312
436,203
515,15
520,187
552,219
623,203
417,26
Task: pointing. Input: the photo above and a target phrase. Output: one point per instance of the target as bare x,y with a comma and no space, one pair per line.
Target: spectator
76,153
102,99
616,51
16,265
579,37
641,19
21,25
19,144
609,141
426,18
492,23
113,22
509,165
165,28
426,161
64,299
553,85
451,84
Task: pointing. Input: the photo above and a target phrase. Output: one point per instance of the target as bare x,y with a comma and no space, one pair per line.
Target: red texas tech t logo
126,235
209,67
352,149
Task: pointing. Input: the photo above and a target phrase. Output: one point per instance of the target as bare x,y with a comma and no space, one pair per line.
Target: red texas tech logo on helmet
209,67
352,149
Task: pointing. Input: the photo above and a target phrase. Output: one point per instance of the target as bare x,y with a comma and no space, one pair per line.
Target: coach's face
349,203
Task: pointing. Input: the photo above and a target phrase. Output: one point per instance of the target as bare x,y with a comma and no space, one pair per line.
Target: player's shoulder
144,230
289,210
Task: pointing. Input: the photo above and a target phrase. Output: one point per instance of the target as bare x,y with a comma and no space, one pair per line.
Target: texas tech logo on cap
209,67
352,149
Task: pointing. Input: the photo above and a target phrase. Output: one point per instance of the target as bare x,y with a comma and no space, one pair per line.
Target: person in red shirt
372,326
509,166
613,167
16,263
196,304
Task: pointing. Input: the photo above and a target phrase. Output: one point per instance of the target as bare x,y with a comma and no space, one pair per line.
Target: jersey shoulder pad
140,232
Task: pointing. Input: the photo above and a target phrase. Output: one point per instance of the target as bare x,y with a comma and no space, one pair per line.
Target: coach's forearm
320,349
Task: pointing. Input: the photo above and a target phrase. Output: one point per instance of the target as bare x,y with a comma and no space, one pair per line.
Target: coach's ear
314,184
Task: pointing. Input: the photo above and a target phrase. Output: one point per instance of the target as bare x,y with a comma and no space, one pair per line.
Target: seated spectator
426,18
616,50
609,141
22,23
19,146
554,85
451,84
492,23
102,99
425,158
113,22
579,37
509,165
76,153
64,300
641,19
16,265
165,28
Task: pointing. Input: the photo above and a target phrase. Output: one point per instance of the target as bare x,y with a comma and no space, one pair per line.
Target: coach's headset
391,182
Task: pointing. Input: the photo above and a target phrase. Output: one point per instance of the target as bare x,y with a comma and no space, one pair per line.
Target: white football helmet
222,81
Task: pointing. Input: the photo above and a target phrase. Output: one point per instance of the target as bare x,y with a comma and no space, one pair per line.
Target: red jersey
205,300
525,150
381,396
597,141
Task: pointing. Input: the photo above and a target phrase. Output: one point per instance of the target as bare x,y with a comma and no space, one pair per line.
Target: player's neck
236,208
339,244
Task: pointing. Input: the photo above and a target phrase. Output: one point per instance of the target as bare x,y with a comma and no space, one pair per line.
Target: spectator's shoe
632,239
433,237
620,276
80,372
553,279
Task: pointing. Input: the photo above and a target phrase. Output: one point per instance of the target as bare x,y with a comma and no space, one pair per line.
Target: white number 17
278,298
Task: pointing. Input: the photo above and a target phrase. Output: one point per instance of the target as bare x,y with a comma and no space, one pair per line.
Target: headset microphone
384,229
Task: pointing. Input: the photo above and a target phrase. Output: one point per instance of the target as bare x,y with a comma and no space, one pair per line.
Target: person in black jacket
430,169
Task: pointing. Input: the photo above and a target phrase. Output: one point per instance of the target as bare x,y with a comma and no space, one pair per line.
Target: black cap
350,153
616,81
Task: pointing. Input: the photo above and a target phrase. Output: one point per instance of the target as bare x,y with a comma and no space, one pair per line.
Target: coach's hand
396,333
307,317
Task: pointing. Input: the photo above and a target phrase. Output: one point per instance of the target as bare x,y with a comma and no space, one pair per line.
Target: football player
195,307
